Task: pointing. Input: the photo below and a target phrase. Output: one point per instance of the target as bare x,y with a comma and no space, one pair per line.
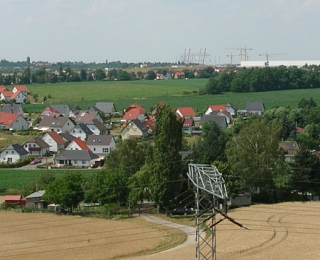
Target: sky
159,30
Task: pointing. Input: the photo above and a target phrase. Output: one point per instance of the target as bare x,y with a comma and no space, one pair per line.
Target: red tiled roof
8,118
300,130
136,106
21,88
179,73
188,123
149,124
186,111
133,113
12,198
2,88
56,137
218,108
14,95
7,93
82,145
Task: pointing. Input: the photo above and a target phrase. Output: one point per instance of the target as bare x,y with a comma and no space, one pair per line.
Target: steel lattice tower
209,188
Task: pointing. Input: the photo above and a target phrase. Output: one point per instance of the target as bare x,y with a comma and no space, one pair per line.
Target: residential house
13,153
185,112
18,98
21,88
86,117
134,129
290,149
78,144
55,141
6,95
179,75
108,108
150,124
10,121
49,111
66,110
232,109
81,131
225,114
35,200
135,112
68,138
220,120
255,108
12,109
101,144
76,158
97,128
188,126
2,88
215,108
37,147
57,124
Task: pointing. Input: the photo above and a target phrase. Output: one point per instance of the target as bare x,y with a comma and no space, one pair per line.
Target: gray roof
84,128
99,139
48,121
86,117
99,125
255,105
64,109
106,107
220,120
37,194
140,125
289,145
12,109
68,137
18,148
76,155
39,142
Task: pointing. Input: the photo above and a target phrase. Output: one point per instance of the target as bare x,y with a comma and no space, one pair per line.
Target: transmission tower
210,190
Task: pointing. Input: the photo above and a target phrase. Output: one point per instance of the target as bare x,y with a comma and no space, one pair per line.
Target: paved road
184,251
34,166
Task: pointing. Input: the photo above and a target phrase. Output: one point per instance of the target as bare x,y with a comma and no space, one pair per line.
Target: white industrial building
277,63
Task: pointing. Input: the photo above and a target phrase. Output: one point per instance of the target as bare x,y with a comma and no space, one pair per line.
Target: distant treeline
265,79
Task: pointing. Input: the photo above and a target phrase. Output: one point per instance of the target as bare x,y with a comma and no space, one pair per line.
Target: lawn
17,179
176,93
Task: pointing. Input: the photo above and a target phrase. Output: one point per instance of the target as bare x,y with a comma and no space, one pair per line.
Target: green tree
151,75
66,191
166,163
254,155
128,157
213,87
106,187
124,75
211,144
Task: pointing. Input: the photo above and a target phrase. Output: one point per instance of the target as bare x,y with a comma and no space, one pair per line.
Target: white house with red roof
55,141
2,88
49,111
179,75
78,144
10,121
215,108
6,95
18,98
22,88
185,112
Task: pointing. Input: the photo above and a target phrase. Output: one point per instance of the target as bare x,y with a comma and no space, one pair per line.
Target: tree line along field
147,93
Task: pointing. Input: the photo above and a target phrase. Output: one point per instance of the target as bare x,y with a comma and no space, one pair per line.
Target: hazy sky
158,30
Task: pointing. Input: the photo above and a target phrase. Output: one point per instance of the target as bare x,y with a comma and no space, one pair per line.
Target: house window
74,131
6,152
75,162
104,150
94,149
12,152
79,131
83,162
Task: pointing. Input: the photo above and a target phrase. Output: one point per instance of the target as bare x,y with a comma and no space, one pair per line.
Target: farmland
176,93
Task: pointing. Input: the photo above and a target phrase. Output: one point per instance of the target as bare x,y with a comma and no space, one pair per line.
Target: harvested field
280,231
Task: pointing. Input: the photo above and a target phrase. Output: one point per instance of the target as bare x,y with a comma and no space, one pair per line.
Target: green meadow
147,93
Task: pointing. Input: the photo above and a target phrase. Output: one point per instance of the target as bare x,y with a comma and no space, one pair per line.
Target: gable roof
136,106
81,144
13,197
289,145
49,111
140,125
84,128
133,113
16,94
11,108
67,137
99,125
53,121
36,194
99,140
7,93
106,107
64,109
86,117
185,112
76,155
39,142
56,137
21,88
17,148
188,123
255,105
220,120
218,108
2,88
8,119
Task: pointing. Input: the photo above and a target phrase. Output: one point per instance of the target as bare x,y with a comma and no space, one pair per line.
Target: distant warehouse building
277,63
